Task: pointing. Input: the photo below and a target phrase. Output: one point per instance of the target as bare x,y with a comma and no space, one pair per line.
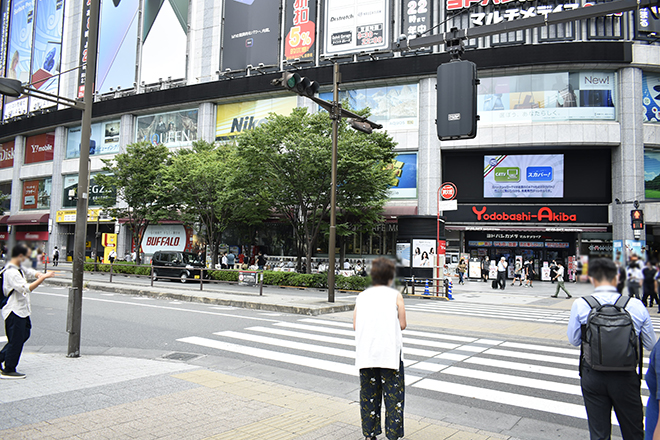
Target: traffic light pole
335,114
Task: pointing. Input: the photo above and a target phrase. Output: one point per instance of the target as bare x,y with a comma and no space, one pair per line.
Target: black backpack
3,298
609,341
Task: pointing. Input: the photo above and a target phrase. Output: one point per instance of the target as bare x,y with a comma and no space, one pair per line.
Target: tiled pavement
105,397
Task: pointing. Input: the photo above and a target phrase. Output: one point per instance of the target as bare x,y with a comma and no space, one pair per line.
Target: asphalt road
521,387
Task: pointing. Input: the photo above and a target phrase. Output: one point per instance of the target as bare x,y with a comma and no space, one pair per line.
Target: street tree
291,156
137,176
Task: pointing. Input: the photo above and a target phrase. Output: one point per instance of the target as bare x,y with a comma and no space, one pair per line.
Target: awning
391,212
3,219
33,218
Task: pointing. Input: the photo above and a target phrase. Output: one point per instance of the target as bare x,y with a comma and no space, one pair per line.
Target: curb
254,305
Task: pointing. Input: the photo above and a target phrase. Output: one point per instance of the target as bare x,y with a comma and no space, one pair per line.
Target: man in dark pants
501,273
604,390
16,313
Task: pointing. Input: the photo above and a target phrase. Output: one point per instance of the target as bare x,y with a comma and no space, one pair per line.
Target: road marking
289,344
550,371
533,356
545,348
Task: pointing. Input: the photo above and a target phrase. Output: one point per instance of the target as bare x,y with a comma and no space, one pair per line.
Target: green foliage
224,275
120,268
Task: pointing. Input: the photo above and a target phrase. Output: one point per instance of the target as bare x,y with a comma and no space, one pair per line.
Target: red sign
442,247
4,236
30,194
39,148
7,155
32,236
543,214
448,191
299,41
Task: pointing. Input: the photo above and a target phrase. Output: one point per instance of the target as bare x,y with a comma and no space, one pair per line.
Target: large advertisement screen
19,52
404,184
300,30
5,13
96,192
104,140
251,33
651,97
173,129
232,119
524,176
118,35
546,97
165,36
352,26
395,107
416,17
652,174
47,50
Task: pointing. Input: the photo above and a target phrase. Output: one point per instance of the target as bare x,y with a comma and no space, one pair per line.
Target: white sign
164,238
356,26
448,205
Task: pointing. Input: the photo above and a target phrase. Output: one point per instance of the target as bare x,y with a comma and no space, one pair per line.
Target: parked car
173,264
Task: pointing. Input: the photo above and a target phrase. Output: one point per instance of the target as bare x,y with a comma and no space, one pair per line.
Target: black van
174,264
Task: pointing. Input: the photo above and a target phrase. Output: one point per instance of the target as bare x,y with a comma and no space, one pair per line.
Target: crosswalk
508,375
497,311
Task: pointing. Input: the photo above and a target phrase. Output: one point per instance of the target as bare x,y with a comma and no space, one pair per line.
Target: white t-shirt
378,338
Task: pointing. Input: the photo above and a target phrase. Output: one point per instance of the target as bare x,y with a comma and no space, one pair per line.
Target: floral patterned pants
376,385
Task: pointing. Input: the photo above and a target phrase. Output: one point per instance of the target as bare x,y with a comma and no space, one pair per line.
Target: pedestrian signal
637,216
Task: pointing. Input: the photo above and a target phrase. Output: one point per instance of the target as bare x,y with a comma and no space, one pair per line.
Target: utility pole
335,114
74,314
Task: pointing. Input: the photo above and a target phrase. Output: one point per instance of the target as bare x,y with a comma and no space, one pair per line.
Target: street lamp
14,88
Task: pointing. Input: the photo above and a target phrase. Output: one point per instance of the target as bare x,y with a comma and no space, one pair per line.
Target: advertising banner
47,50
32,235
395,107
174,129
416,17
7,154
39,148
524,176
247,278
647,23
618,254
300,30
232,119
19,53
5,13
84,41
404,184
423,253
651,173
651,97
164,31
166,238
544,97
36,194
352,26
69,216
403,254
104,140
636,247
96,192
529,215
118,34
250,34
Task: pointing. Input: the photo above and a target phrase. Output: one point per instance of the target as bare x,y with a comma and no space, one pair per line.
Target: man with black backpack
15,307
609,328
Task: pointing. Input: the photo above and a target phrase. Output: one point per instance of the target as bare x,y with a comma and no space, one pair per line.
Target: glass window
36,194
5,189
104,140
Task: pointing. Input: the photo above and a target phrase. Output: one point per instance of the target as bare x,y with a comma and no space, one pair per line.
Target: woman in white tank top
379,318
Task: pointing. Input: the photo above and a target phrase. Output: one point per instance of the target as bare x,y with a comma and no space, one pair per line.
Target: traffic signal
457,100
299,84
637,216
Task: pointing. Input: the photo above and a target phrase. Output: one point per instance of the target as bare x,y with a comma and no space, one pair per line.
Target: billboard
546,97
118,35
423,253
166,238
651,174
300,30
7,154
416,17
19,53
5,12
96,191
36,194
173,129
352,26
232,119
524,176
84,41
251,33
104,140
404,184
164,31
39,148
395,107
651,96
47,50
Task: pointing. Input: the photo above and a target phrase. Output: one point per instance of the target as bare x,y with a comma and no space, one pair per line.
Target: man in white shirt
559,277
501,273
16,313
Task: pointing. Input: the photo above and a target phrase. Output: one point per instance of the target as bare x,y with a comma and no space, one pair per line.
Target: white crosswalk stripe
536,377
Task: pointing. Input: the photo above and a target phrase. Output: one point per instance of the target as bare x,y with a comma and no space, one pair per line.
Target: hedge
292,279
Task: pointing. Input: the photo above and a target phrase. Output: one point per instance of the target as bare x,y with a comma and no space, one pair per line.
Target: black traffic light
299,84
637,217
457,100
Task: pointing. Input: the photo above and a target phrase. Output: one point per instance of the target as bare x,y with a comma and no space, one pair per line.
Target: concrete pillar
56,232
126,132
628,159
429,172
17,185
206,122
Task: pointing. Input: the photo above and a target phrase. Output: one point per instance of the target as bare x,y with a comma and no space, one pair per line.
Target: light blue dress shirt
608,295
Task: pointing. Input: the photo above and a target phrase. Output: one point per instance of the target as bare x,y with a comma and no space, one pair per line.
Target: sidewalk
107,397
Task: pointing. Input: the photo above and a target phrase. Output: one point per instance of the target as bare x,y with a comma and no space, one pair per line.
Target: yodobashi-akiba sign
528,215
166,238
